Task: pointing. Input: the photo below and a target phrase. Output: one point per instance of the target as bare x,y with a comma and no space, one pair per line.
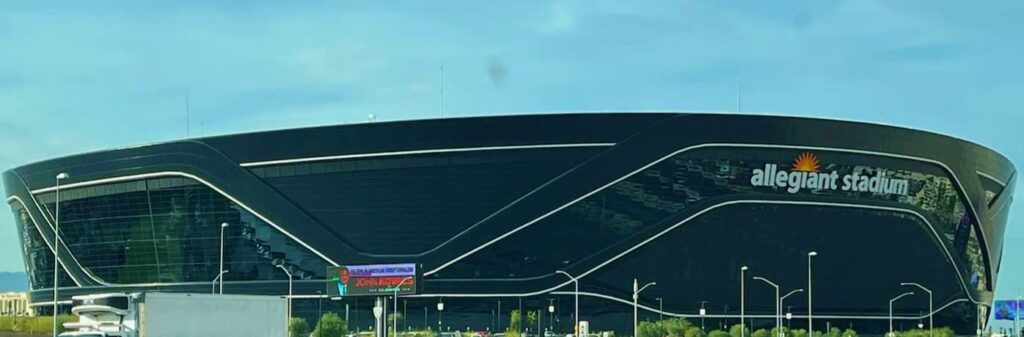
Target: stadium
490,209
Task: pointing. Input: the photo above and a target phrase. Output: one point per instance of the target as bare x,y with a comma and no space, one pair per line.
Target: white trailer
178,315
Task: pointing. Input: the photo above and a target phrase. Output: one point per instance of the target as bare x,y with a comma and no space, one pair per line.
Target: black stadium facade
490,208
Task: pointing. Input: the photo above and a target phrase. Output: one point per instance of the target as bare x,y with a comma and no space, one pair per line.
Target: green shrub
760,333
38,324
694,332
330,325
737,331
718,333
297,327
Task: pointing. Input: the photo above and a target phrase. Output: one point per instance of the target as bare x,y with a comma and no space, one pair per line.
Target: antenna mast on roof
188,121
739,94
441,85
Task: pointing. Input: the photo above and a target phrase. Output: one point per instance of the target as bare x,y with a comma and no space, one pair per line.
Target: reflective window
38,256
168,230
699,178
410,204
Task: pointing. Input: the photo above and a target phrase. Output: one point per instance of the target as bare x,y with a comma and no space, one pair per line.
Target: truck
156,314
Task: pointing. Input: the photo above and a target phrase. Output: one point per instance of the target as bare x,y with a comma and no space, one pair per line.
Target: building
14,304
490,208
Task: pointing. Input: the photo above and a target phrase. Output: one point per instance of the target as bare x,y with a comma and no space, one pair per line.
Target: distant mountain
13,281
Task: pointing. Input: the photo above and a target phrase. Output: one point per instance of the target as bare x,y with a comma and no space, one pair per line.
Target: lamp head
744,268
62,175
812,253
224,225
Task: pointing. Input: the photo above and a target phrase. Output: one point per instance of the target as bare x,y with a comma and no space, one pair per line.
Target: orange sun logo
806,162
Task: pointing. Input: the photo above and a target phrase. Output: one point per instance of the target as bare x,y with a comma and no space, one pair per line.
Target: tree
297,327
531,319
694,332
675,327
650,329
718,333
330,325
514,324
798,333
760,333
737,331
775,332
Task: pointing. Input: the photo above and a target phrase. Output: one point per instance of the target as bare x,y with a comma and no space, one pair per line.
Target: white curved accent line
204,182
45,239
193,283
959,187
667,313
735,202
47,216
650,309
414,152
48,303
989,176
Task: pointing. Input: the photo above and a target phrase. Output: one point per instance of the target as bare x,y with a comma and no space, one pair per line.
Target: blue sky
77,76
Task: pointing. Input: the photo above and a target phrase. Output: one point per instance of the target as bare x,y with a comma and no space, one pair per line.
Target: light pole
743,301
289,289
661,309
782,299
576,292
778,319
551,315
222,227
930,307
407,278
636,294
702,312
440,308
1016,317
213,285
320,306
56,248
890,308
810,317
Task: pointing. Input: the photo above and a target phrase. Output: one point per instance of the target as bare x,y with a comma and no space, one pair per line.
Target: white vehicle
173,315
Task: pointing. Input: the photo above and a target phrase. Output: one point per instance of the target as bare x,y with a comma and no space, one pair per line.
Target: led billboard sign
1008,310
372,279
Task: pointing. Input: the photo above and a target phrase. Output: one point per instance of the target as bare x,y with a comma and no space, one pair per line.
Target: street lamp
289,289
810,317
778,319
636,294
576,328
783,300
743,301
213,285
890,308
930,307
222,227
56,248
407,278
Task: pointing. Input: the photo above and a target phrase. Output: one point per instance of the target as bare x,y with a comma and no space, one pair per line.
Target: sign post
373,280
378,280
